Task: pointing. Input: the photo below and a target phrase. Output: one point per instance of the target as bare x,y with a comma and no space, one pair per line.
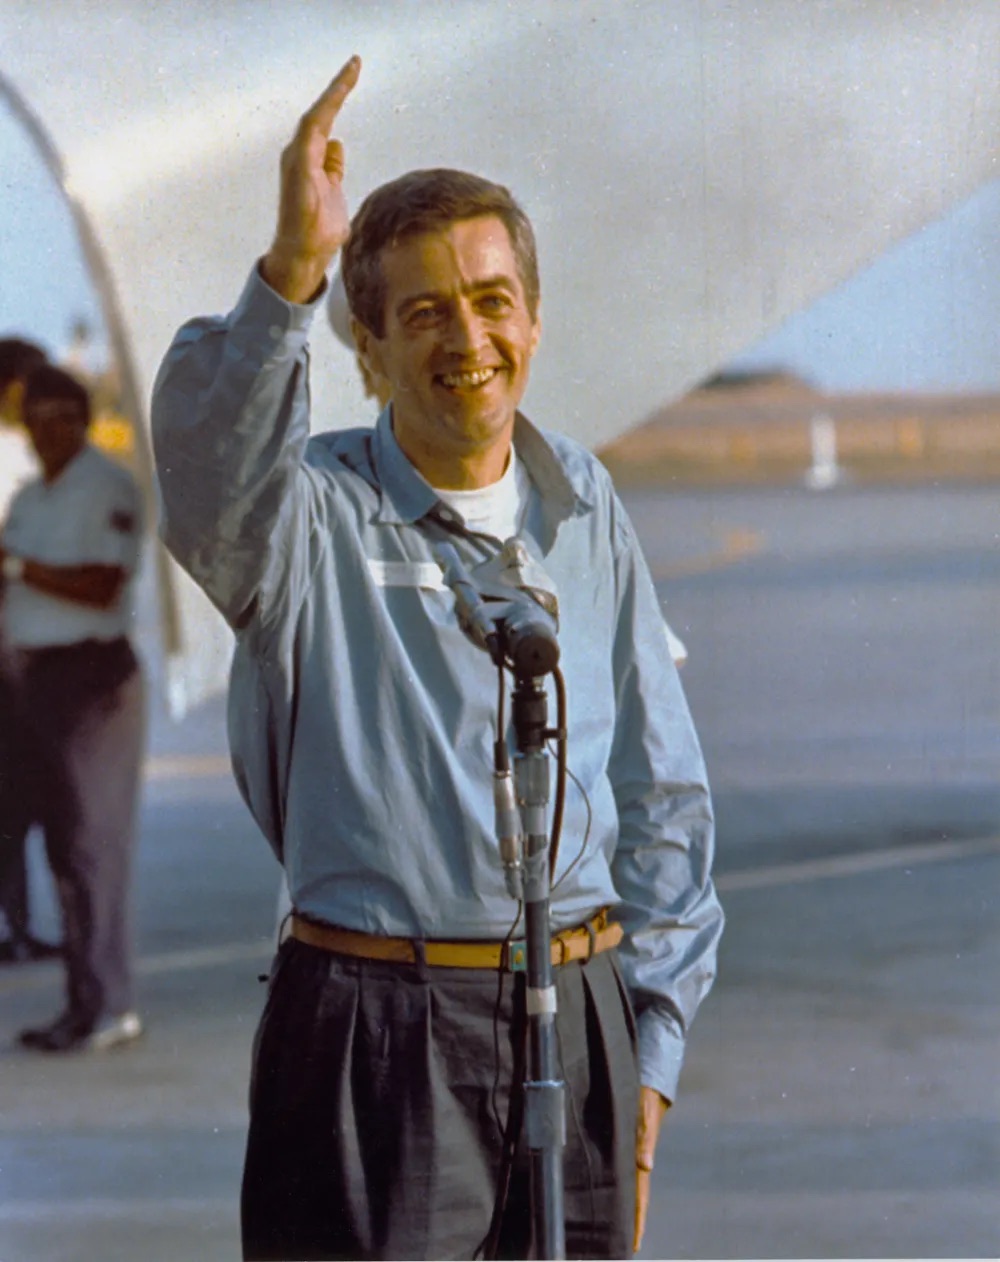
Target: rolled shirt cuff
267,304
661,1052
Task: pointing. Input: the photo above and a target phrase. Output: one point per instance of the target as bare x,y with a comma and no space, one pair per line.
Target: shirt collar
546,470
407,496
71,469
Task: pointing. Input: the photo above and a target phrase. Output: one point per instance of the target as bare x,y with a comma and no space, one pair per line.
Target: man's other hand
313,221
652,1107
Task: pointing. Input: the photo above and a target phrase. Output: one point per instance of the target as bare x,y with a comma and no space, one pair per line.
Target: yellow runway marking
834,866
181,766
257,953
737,545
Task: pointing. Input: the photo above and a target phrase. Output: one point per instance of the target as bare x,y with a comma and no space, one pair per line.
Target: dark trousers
377,1101
82,715
15,813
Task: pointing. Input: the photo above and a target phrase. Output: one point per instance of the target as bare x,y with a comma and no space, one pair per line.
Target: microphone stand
545,1108
519,631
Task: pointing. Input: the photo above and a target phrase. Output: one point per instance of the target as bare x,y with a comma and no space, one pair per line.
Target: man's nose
465,329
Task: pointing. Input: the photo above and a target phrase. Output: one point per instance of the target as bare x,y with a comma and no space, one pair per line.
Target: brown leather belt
597,935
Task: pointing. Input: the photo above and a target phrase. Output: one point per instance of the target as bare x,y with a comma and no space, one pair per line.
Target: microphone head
529,640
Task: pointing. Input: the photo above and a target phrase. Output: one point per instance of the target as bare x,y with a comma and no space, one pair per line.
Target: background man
68,550
361,725
18,464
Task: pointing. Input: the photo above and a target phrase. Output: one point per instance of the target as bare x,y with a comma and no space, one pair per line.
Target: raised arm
230,408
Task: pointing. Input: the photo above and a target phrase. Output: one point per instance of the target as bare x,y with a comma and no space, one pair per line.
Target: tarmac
840,1094
137,1153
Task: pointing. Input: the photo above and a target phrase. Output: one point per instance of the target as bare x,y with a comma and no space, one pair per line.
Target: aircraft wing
696,171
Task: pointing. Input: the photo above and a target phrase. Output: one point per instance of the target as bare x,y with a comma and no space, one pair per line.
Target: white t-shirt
90,515
496,509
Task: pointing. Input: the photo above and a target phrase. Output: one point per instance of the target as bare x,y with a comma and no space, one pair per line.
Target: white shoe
112,1032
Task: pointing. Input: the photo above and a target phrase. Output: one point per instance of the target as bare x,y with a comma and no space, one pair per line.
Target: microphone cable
511,1132
562,740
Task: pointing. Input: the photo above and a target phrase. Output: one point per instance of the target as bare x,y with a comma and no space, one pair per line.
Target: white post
825,471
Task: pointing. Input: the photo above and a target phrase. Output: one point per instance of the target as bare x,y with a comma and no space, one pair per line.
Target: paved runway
840,1096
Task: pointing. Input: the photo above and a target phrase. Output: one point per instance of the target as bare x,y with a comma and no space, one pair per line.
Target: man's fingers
323,112
641,1208
333,160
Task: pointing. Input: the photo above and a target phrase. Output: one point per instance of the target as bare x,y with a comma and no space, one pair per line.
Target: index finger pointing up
323,112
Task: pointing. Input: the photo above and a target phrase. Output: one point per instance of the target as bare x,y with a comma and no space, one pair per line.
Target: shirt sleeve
112,534
230,423
662,865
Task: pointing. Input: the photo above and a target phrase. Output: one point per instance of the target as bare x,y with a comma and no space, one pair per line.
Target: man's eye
422,317
494,303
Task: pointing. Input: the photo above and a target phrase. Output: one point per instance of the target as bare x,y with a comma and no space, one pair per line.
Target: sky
45,286
922,318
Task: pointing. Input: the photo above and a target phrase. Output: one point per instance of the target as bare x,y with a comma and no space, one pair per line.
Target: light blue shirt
361,717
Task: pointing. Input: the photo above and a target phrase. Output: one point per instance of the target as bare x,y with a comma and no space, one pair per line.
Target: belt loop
592,945
419,954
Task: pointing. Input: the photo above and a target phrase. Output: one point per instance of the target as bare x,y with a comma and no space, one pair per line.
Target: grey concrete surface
844,669
840,1097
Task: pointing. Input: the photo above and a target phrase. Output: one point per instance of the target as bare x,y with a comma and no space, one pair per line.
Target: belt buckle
516,955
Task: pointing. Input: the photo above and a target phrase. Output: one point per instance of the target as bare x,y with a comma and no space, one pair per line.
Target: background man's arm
95,585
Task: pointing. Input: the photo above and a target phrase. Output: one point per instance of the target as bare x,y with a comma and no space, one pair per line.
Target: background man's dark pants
83,709
374,1131
15,814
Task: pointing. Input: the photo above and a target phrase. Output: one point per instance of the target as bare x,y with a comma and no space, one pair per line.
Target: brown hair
426,201
17,359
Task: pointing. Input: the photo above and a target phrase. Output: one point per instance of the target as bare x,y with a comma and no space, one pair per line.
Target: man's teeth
468,380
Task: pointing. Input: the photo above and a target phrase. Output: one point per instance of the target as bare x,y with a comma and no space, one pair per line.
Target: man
17,465
361,725
68,551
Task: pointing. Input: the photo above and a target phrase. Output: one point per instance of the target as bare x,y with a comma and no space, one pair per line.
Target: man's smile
471,379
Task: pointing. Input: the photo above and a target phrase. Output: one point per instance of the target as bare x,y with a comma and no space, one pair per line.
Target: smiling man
362,720
453,325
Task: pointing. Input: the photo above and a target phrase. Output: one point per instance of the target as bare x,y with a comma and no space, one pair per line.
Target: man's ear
536,332
369,350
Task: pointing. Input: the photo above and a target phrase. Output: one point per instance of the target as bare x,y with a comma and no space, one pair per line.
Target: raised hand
313,221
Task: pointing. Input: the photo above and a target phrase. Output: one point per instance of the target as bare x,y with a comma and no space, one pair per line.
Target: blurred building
774,426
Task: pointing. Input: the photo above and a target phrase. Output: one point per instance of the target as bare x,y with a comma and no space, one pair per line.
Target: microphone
531,619
471,606
530,638
523,628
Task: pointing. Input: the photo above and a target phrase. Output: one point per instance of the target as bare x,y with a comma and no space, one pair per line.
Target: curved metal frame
100,275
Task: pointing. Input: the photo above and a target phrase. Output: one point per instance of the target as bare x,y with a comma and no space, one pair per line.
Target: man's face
57,430
457,347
